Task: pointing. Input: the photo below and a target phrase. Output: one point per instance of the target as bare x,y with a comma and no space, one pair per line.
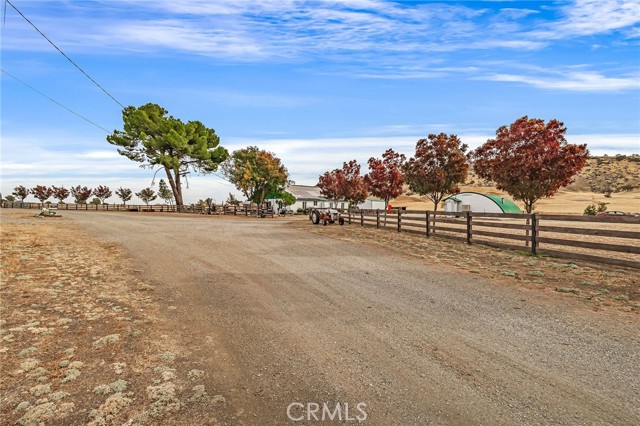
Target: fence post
534,232
469,224
361,217
349,216
427,215
378,218
399,219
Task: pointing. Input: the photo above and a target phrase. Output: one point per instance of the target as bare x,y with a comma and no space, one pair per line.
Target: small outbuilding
372,203
482,203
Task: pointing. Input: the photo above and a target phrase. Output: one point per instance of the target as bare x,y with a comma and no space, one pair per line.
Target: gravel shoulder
274,314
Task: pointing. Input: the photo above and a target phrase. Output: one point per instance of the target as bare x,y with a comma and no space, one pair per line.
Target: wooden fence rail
613,240
242,210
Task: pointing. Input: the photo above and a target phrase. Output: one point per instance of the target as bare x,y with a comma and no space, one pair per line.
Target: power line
63,54
54,101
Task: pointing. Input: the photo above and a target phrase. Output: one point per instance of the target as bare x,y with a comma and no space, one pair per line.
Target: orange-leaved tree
530,159
256,173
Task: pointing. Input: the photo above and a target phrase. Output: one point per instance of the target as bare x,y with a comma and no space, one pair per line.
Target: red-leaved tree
353,186
60,193
102,193
530,159
41,192
344,184
328,184
438,167
385,178
80,194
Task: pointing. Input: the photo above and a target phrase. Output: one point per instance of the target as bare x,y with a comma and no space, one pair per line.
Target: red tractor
325,215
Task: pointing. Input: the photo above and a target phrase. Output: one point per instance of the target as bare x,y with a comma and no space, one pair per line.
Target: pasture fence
216,209
612,240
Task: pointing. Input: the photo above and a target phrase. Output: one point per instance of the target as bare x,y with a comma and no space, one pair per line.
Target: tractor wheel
341,220
315,218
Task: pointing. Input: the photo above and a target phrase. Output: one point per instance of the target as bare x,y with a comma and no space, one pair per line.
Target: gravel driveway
283,316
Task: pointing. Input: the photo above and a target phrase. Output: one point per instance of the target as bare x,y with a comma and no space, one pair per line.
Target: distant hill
605,174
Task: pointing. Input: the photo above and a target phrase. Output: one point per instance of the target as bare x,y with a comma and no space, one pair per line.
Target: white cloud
257,31
589,17
573,81
185,36
600,144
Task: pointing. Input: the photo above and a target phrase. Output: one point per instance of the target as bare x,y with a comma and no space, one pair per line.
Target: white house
482,203
309,196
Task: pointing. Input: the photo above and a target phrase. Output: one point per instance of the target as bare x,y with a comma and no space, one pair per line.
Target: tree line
529,159
159,141
81,194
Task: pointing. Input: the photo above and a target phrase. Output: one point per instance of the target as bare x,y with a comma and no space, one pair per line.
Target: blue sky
316,82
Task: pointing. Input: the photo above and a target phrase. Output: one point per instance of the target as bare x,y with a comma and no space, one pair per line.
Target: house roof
505,204
305,192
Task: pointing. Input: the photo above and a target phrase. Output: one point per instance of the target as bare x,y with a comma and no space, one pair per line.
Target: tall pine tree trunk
175,186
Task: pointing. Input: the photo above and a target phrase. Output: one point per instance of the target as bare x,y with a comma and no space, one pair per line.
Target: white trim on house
308,196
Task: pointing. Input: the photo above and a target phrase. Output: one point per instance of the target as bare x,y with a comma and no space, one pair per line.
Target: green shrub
593,208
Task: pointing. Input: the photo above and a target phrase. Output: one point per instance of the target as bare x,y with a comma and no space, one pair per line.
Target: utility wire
54,101
63,54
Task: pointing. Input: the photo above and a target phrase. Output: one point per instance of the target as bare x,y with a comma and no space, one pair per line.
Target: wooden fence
613,240
239,210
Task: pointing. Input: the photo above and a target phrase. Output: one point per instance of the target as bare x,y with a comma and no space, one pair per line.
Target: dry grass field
81,340
620,174
564,202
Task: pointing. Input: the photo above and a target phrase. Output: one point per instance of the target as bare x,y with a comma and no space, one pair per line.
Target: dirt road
281,316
